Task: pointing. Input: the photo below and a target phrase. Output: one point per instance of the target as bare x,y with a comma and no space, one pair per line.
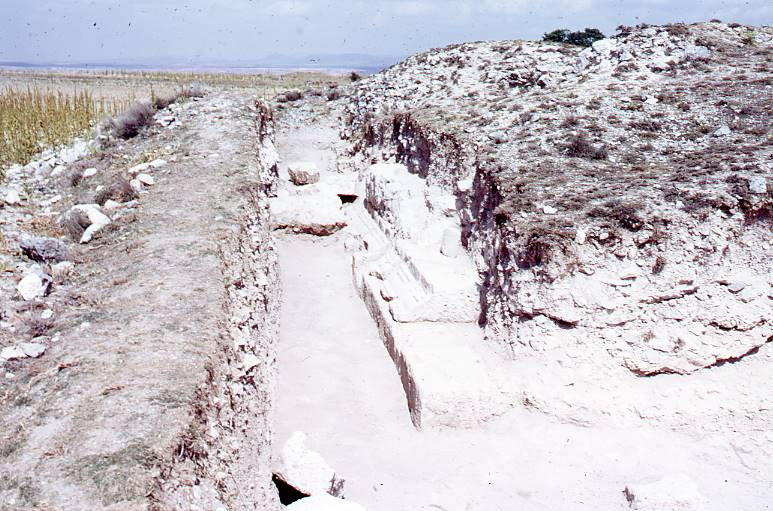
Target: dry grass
580,147
119,190
74,223
129,123
33,119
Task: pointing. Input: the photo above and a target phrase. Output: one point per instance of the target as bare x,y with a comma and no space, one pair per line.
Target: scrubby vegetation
580,147
580,38
129,123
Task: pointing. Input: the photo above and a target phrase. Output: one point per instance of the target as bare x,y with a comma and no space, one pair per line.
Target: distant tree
556,36
580,38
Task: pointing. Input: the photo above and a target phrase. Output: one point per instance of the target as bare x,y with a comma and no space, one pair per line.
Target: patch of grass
33,119
580,147
569,121
119,476
44,226
626,214
37,326
130,123
678,29
645,125
660,264
749,38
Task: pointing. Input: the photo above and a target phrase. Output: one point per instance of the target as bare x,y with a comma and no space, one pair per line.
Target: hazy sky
198,31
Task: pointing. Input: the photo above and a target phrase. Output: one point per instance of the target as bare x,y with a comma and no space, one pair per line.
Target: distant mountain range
342,61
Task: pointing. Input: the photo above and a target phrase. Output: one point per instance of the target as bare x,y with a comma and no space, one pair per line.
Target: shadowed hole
287,493
347,198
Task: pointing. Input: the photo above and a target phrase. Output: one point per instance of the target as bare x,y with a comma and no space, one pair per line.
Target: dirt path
141,334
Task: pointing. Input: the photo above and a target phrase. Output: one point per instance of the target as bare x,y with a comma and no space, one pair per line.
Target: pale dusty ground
337,384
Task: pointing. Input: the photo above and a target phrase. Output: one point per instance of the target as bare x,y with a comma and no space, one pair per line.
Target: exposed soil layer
564,162
615,199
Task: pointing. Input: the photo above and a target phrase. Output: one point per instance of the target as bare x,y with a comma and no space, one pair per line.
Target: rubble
306,470
45,250
303,173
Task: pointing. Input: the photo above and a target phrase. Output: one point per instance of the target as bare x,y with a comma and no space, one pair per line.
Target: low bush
129,123
74,222
161,102
583,38
289,96
118,190
626,214
580,147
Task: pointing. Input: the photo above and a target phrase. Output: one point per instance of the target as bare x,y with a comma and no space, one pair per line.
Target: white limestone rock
303,173
111,205
33,349
12,197
249,361
353,244
696,52
32,286
142,167
12,353
451,242
306,470
757,184
604,45
398,198
77,150
97,220
146,179
317,213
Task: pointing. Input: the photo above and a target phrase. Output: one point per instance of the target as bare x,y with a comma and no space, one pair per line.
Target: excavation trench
337,383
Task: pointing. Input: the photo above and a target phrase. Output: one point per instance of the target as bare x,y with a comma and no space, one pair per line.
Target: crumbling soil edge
223,461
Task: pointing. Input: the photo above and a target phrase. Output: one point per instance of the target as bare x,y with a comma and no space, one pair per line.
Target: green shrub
580,38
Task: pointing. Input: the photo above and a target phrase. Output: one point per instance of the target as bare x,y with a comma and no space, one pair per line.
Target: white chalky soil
337,384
